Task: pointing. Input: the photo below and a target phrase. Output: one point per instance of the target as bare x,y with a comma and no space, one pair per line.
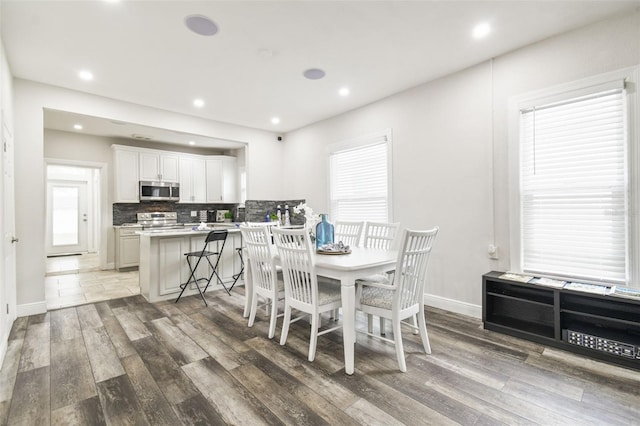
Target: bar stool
239,274
217,235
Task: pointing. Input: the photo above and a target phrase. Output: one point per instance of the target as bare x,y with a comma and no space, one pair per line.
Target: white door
7,249
67,217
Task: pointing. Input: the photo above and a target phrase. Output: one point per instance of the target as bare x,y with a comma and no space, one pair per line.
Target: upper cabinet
156,166
126,175
193,180
222,180
203,179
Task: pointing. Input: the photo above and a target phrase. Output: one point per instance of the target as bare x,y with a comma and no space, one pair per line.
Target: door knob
14,240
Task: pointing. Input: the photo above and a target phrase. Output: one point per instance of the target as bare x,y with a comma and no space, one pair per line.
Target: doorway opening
72,218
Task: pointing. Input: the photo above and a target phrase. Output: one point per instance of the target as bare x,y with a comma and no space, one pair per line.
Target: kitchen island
163,266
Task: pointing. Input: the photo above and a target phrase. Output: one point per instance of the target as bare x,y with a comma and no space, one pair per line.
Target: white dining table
346,268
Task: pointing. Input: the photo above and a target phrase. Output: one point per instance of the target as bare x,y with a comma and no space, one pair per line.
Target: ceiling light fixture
314,73
85,75
481,30
198,103
77,126
344,91
275,120
201,25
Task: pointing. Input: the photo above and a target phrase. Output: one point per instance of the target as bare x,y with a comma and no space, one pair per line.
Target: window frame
568,91
385,136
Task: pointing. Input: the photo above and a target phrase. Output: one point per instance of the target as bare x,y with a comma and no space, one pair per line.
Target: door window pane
65,215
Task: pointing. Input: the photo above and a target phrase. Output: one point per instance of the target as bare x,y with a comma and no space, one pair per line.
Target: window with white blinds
359,180
574,187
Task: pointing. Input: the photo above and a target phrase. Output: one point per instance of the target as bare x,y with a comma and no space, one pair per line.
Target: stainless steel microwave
159,191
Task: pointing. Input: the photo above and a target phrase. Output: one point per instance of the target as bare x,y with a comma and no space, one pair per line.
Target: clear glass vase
324,231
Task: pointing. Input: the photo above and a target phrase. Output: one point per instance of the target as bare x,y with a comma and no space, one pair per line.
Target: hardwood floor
125,361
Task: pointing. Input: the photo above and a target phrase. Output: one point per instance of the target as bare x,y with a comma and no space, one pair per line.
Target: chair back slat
259,256
348,232
411,267
380,235
298,268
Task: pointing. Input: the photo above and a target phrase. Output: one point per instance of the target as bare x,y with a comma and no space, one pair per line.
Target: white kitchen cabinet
214,179
229,180
157,166
126,175
221,179
169,277
127,253
193,180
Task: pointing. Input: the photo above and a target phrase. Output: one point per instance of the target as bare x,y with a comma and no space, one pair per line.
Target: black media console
605,327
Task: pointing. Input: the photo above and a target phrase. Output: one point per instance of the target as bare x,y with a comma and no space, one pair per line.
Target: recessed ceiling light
77,126
275,120
192,143
343,91
201,25
314,73
481,30
85,75
199,103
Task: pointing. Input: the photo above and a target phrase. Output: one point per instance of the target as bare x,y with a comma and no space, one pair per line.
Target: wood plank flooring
129,362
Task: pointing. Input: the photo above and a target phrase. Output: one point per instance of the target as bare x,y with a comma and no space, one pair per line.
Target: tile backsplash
126,212
256,210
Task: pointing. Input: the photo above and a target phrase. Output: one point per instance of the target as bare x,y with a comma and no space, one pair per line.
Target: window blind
359,183
573,186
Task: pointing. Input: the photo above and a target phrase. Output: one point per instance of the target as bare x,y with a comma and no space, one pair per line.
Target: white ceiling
251,70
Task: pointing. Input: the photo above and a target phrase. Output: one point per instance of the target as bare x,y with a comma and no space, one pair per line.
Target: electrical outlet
194,213
492,250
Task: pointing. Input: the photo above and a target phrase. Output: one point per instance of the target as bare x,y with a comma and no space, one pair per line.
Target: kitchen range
127,242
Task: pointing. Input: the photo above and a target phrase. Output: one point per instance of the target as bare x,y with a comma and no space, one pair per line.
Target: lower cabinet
127,248
604,327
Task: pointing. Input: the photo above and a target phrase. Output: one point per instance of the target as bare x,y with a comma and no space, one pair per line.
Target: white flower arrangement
310,219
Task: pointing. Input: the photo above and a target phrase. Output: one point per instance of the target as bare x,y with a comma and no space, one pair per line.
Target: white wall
263,163
7,258
450,150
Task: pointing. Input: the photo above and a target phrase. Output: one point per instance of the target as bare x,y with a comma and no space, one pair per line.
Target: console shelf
600,326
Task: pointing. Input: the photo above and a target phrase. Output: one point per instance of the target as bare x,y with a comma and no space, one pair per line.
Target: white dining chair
303,291
264,273
248,282
348,232
380,235
399,297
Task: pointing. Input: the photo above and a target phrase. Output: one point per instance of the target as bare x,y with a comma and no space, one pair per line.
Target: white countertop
186,231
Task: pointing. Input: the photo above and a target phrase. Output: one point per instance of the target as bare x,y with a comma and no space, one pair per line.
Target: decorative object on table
287,218
324,231
228,216
334,248
310,218
279,215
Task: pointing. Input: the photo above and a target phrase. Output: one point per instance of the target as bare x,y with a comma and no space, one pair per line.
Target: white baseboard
31,309
110,266
456,306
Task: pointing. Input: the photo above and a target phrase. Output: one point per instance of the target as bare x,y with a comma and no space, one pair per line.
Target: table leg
349,323
248,290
